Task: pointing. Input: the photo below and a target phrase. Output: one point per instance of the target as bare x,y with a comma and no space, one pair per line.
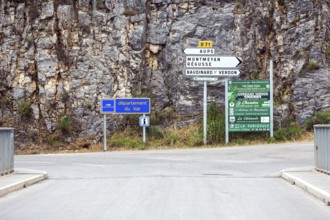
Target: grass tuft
24,109
65,124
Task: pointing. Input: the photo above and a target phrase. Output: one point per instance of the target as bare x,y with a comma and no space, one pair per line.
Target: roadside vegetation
318,118
160,137
164,133
24,109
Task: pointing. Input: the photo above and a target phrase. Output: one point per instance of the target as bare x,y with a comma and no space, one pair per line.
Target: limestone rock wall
64,56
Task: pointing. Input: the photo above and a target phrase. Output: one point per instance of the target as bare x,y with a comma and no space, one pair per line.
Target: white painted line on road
36,162
167,158
88,164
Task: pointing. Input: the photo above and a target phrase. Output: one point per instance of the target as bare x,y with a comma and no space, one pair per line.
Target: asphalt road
206,184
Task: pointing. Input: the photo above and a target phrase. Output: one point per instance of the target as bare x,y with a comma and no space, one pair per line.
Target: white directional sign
212,72
205,78
201,51
212,62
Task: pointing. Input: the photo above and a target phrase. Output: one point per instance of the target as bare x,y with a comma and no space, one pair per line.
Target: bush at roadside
318,118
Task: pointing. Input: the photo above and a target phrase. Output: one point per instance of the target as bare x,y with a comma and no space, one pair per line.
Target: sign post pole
200,63
205,112
144,132
271,94
107,107
226,110
105,132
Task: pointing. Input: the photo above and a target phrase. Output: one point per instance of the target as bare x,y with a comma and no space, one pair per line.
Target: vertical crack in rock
145,63
37,90
6,104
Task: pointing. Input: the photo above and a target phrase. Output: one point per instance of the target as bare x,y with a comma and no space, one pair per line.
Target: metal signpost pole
105,132
205,112
226,110
271,98
144,132
107,107
203,67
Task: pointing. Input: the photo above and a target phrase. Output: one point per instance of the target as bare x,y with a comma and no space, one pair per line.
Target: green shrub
238,8
311,65
288,134
65,124
325,48
155,132
271,140
287,122
171,137
240,141
296,20
215,124
24,109
239,5
54,141
127,138
195,138
125,142
248,137
295,132
279,135
87,104
318,118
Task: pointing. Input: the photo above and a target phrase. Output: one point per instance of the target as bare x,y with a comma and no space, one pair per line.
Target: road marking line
89,164
26,161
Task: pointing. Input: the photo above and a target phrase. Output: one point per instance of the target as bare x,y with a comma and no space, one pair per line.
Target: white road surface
201,184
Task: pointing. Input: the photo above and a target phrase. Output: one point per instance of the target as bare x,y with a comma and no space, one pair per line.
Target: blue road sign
107,106
133,105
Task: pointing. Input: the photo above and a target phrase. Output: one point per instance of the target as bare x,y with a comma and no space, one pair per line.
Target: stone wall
64,56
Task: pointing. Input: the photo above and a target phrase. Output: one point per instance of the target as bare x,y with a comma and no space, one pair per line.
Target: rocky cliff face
62,56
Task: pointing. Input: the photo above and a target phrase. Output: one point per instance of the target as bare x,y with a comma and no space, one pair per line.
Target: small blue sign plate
133,106
107,106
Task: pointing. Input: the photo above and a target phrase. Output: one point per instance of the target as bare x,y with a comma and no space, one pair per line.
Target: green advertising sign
248,105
